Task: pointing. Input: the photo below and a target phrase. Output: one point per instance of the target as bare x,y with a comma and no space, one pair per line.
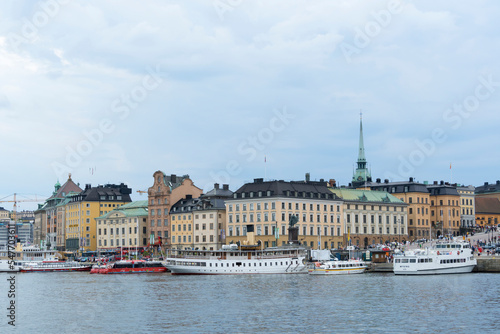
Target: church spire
362,173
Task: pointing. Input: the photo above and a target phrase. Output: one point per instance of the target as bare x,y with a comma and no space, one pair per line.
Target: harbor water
162,303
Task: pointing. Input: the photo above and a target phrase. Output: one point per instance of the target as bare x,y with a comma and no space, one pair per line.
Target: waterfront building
372,217
123,227
46,223
490,190
445,209
417,196
467,207
83,208
25,216
4,215
487,211
362,174
269,206
210,218
181,215
166,191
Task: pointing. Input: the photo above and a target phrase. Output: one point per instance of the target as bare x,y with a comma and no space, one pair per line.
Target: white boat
238,260
12,260
453,257
51,266
337,267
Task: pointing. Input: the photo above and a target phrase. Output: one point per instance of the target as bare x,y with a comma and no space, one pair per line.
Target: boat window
413,260
404,260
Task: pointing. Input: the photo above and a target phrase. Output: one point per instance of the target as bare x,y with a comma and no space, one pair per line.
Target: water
161,303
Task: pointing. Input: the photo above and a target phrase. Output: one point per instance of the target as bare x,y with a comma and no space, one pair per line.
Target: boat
51,266
337,267
11,260
129,267
453,257
234,259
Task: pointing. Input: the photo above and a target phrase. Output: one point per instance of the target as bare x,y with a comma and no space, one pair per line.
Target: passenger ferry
337,267
51,266
129,267
453,257
12,260
234,259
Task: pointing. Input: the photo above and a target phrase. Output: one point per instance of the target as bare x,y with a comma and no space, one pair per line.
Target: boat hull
68,269
108,271
435,271
348,271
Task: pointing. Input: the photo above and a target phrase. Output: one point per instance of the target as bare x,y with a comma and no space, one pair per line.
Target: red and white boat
48,266
129,267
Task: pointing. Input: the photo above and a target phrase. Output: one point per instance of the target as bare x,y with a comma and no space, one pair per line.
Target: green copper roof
132,209
359,195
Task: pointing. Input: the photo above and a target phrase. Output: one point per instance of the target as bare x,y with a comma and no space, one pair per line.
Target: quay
485,264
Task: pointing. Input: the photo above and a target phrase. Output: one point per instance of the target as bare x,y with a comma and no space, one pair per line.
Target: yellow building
83,209
487,211
445,209
269,206
181,215
467,207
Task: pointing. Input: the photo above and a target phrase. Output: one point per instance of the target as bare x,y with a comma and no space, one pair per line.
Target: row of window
284,217
375,207
113,242
117,230
283,206
396,219
400,230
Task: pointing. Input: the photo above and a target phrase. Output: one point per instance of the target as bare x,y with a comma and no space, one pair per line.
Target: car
497,250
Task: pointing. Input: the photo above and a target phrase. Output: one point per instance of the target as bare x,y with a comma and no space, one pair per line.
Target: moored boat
238,260
129,267
337,267
11,260
52,266
453,257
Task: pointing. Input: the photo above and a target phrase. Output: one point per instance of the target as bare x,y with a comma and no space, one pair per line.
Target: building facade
270,205
124,227
487,211
166,191
82,210
467,208
372,217
445,209
417,196
47,226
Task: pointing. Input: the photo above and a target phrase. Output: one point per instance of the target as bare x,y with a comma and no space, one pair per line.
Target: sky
231,90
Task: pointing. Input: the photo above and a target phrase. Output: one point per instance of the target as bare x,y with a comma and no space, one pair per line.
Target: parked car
497,250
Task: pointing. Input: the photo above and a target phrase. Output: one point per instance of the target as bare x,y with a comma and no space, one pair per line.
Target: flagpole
265,168
451,175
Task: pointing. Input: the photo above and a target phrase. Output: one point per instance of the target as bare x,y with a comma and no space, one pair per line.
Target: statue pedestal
293,235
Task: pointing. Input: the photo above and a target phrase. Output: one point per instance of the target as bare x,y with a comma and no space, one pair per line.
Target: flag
265,159
276,232
450,165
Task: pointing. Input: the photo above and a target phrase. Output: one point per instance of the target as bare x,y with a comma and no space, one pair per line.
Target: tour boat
453,257
337,267
11,260
234,259
129,267
51,266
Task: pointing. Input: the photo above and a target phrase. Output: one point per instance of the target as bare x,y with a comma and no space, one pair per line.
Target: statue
293,231
293,220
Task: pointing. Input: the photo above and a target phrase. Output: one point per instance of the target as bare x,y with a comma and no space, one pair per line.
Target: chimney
260,180
308,177
225,186
435,183
88,186
411,179
321,180
173,178
441,183
369,179
216,186
386,181
378,180
332,183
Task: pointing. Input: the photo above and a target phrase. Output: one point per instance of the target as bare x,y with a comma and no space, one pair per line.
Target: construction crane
142,192
15,201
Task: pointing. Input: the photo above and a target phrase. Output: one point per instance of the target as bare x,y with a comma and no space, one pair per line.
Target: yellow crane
15,201
142,191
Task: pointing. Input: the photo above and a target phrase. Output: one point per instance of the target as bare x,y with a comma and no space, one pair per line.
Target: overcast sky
231,90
